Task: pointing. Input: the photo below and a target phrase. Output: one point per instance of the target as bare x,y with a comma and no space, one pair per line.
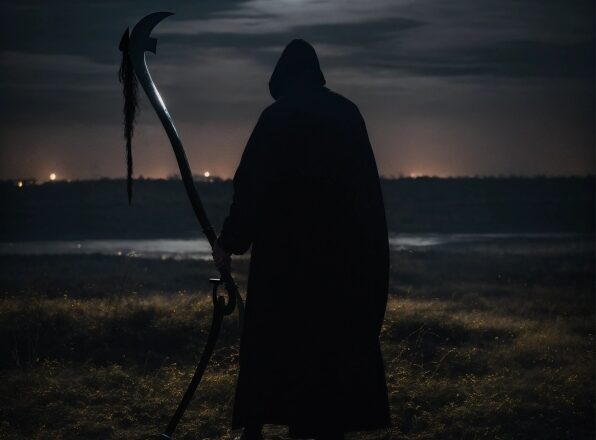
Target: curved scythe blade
140,37
139,43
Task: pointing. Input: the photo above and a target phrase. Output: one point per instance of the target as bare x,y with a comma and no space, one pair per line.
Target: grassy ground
478,344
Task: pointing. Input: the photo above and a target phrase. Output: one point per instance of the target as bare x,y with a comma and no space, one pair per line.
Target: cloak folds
307,198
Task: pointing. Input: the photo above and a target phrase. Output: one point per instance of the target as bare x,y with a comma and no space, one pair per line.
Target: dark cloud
515,58
355,34
90,28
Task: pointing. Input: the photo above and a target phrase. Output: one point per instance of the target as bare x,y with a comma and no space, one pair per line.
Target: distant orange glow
207,173
53,176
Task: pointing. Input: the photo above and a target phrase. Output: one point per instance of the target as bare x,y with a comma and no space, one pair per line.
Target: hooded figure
307,198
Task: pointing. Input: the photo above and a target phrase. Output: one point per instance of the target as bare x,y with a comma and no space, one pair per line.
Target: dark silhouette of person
307,197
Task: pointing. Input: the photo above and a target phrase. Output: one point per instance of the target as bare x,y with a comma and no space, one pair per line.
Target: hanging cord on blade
130,87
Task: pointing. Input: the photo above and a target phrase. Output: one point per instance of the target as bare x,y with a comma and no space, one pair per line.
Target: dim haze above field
99,210
456,88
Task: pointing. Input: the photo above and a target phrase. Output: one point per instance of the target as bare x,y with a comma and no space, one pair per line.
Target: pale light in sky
207,173
53,176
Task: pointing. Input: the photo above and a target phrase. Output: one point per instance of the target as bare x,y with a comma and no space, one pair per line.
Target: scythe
133,69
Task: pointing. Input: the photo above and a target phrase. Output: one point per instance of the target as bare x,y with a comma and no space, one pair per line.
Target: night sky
459,87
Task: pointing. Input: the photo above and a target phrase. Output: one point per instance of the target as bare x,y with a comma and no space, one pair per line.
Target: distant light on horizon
20,183
53,176
207,174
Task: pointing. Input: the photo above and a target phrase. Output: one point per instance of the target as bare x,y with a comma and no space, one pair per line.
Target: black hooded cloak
307,198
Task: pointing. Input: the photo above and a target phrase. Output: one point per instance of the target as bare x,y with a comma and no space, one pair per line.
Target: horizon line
213,179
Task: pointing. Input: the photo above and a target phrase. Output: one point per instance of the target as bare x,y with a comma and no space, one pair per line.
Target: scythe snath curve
133,69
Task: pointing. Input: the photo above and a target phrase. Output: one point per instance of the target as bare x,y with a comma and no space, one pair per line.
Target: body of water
200,249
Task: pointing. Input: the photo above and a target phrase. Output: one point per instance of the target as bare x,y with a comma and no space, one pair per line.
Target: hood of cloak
297,69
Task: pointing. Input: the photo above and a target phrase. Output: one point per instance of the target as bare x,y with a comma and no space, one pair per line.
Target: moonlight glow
53,176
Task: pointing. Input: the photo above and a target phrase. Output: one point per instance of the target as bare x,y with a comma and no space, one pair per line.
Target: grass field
477,345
